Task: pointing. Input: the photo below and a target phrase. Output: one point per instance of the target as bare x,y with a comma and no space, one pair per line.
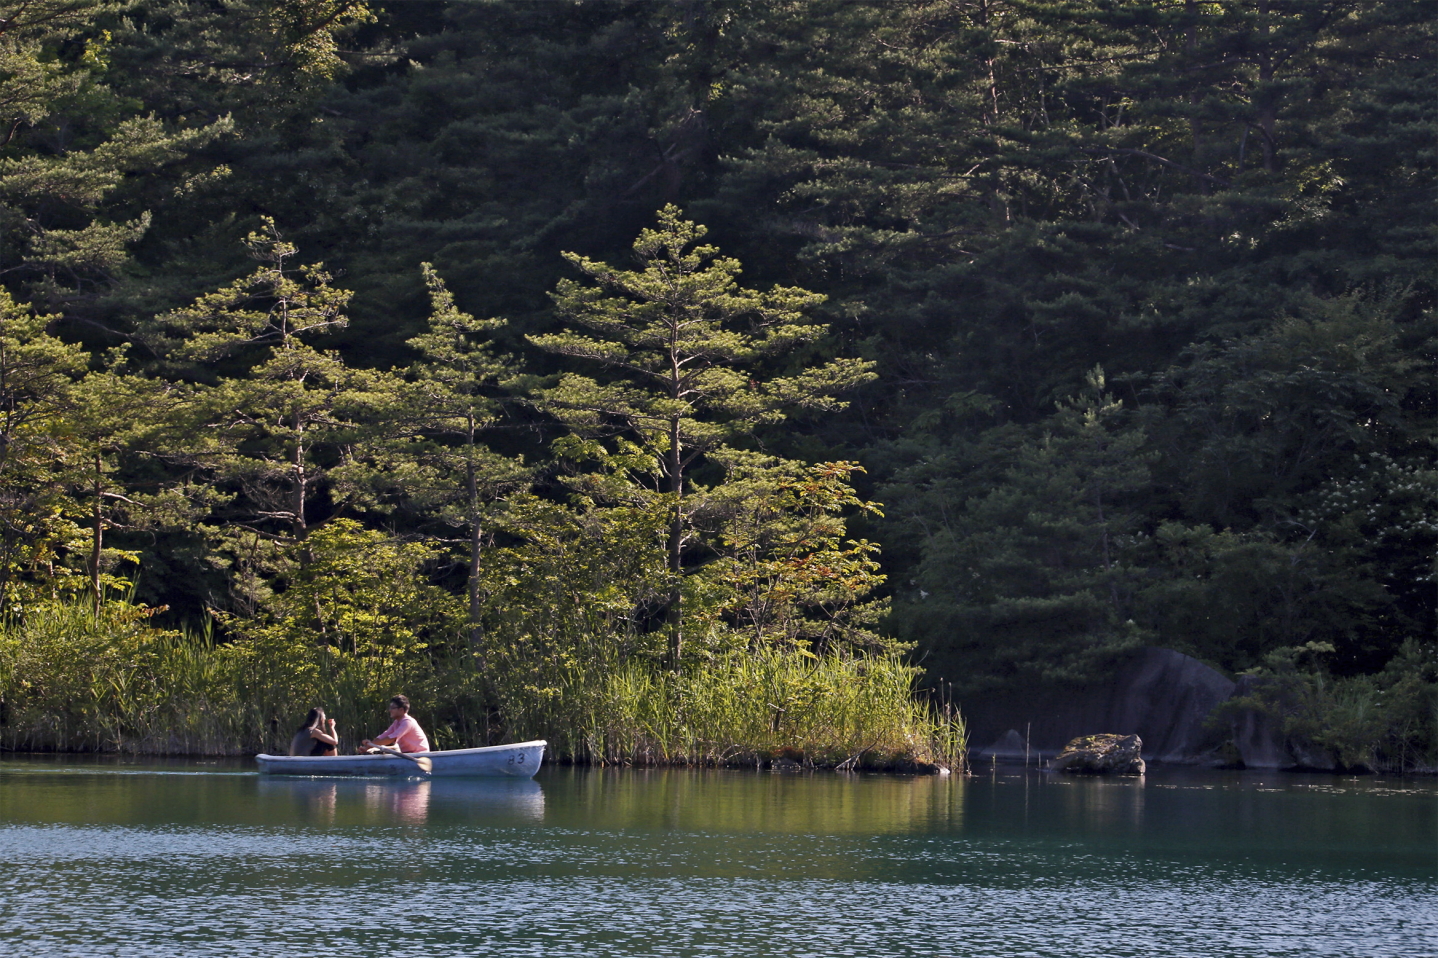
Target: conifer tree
282,413
684,350
120,423
256,59
68,147
432,456
37,377
1028,566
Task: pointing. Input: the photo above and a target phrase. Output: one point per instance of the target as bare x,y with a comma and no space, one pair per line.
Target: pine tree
1028,569
283,413
37,377
121,425
432,457
69,148
684,349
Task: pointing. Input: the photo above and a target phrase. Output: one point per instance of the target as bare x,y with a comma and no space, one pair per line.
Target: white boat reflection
407,801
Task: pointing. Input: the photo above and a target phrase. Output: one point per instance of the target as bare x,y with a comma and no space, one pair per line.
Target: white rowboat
520,760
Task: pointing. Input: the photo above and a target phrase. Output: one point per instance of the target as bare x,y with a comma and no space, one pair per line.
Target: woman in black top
316,737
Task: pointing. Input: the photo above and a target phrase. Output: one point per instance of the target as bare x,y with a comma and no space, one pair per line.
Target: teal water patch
632,863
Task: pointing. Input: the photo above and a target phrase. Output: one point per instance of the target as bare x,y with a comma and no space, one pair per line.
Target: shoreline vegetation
661,590
73,681
708,382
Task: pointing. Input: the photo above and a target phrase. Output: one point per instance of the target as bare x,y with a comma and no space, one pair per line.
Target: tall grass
75,680
755,708
72,679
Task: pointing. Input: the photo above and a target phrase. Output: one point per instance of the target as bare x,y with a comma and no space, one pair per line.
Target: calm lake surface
194,859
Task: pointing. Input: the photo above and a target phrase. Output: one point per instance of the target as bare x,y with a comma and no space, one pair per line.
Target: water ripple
690,866
239,891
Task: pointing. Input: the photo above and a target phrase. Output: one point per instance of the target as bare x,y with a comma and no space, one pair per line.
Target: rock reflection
1092,804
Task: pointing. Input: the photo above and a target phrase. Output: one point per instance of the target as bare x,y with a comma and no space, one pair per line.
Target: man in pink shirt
404,732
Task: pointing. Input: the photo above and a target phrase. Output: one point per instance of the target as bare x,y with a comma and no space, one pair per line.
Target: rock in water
1159,694
1104,752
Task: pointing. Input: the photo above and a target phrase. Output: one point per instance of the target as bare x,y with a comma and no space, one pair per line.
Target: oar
425,765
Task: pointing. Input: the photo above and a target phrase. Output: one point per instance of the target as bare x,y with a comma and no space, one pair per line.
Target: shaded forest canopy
1124,311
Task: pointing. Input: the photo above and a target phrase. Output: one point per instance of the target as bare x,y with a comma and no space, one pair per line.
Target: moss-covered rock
1102,753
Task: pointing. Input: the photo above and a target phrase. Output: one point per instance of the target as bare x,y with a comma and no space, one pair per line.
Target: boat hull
520,760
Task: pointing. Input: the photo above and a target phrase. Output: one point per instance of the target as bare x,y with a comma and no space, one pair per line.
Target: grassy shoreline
73,680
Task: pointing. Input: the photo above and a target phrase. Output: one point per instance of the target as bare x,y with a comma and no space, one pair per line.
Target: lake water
194,859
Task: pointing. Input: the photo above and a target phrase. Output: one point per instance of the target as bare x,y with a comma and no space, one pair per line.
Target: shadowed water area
189,858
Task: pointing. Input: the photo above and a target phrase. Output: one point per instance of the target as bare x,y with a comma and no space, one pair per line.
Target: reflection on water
385,801
406,805
1098,804
786,803
145,860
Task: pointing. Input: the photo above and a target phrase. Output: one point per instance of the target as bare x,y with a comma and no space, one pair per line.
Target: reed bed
72,679
758,708
75,680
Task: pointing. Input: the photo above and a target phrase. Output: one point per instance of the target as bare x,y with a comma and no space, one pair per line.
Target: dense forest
621,371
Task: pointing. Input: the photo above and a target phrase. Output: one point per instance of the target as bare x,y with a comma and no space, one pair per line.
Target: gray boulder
1008,747
1102,753
1261,744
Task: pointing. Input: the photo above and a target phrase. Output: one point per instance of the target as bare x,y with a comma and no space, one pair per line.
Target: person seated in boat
317,736
403,733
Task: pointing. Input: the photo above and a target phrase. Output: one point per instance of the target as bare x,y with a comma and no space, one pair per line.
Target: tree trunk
98,544
676,545
1267,107
991,105
475,538
297,495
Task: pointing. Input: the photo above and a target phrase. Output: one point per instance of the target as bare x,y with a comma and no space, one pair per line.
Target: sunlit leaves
37,383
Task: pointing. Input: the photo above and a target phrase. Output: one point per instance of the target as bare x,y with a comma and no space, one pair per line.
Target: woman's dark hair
399,701
316,719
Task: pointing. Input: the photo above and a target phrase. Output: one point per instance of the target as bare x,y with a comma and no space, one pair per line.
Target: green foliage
569,653
684,347
77,679
744,709
70,149
287,414
1032,574
1386,720
72,676
1227,207
37,384
254,59
685,344
784,576
431,456
1263,417
121,421
359,594
1309,437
